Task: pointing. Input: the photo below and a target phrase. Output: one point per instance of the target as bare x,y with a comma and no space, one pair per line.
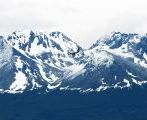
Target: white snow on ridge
53,86
65,45
101,88
124,52
19,63
35,85
138,82
130,74
36,49
135,40
127,82
101,58
145,56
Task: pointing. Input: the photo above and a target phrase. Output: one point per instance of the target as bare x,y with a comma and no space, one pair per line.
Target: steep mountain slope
38,60
127,57
130,46
34,60
117,60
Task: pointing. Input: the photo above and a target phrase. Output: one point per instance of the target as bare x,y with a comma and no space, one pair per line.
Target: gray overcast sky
82,20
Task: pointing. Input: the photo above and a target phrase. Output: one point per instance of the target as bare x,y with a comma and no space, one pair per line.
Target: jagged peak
20,33
27,33
122,33
60,59
58,34
117,36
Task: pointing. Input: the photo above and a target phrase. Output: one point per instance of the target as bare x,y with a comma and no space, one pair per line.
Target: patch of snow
127,82
64,88
1,91
36,49
115,77
53,86
35,84
145,56
101,58
19,63
88,90
138,82
101,88
20,82
135,40
53,77
140,62
43,74
130,74
116,85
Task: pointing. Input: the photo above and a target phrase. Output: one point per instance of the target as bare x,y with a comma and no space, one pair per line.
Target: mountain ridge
54,61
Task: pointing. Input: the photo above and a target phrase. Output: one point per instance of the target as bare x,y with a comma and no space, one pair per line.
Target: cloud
82,20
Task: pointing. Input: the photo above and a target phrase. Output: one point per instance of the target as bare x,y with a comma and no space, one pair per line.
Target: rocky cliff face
32,60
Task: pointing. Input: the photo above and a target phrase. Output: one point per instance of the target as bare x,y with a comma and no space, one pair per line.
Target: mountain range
33,60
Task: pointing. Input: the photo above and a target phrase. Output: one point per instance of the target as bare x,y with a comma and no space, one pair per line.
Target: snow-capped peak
132,46
34,42
37,60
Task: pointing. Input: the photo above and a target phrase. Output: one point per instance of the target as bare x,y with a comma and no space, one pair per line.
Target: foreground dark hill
126,104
